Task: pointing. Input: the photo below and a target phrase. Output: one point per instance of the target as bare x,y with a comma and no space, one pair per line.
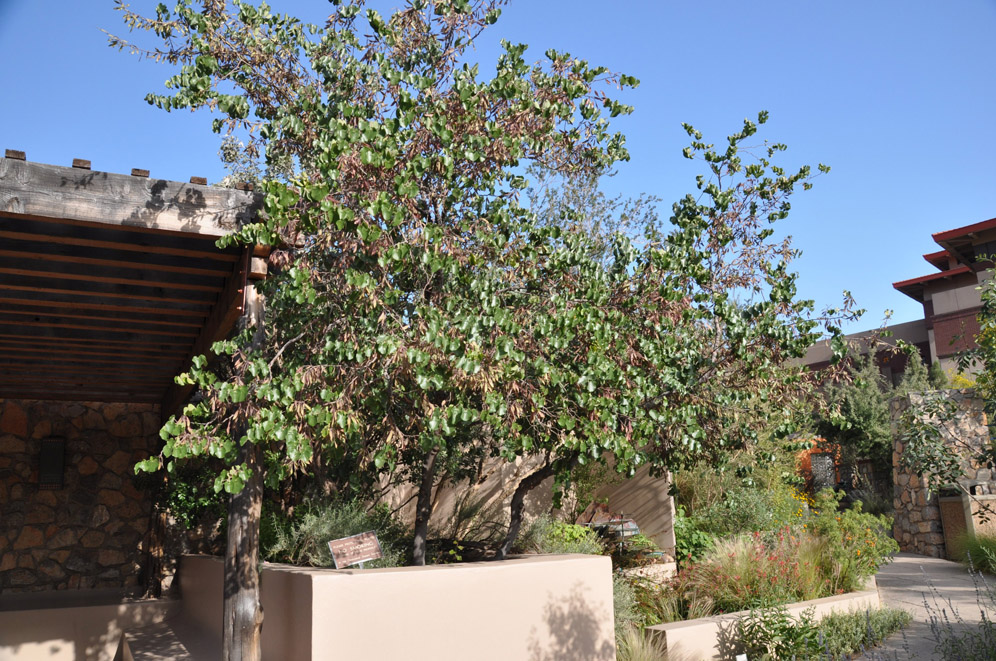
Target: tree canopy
417,314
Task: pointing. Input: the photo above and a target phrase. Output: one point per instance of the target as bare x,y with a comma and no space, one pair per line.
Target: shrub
633,645
749,571
303,539
858,543
772,633
547,535
844,634
690,541
979,552
624,607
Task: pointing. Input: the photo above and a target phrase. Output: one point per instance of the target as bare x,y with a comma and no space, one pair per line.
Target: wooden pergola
110,283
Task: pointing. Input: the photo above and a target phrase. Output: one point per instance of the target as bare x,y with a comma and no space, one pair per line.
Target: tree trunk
527,484
243,616
423,508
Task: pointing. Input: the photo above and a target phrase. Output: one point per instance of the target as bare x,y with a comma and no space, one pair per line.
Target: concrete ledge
714,637
75,632
542,607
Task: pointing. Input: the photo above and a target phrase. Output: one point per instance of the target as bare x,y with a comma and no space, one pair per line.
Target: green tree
417,317
386,335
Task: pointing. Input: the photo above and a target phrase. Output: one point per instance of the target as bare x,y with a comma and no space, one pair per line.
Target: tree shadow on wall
574,631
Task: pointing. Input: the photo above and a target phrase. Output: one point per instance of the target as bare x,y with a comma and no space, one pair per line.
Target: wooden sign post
356,549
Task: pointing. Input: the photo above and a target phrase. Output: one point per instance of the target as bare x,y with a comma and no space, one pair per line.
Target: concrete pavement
930,588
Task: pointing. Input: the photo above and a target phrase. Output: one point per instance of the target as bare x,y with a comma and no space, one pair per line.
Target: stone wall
89,534
917,526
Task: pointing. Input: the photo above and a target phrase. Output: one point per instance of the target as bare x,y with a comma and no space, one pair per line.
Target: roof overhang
915,287
110,283
960,242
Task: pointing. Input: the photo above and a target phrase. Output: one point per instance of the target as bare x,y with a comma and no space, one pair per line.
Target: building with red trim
950,298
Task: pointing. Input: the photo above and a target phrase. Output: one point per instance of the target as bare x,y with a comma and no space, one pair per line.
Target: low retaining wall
541,608
715,637
73,625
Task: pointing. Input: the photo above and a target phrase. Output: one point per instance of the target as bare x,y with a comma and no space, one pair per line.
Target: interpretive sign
358,548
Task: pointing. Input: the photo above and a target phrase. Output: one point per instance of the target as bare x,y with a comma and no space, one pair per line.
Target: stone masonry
917,526
89,534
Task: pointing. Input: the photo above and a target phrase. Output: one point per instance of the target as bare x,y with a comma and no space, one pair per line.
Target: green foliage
771,633
844,634
774,634
624,606
857,543
303,539
190,496
978,551
691,542
861,424
548,535
418,319
751,571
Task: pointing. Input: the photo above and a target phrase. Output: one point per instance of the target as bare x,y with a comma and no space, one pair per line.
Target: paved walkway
906,583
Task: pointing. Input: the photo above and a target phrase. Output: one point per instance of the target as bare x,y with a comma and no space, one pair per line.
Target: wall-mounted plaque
52,464
358,548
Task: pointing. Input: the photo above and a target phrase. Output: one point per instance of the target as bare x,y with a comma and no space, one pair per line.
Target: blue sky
897,97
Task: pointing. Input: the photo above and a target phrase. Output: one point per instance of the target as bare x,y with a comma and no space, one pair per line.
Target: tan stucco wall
541,608
74,633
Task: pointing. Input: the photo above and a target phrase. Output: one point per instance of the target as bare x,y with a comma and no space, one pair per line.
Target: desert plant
979,551
303,539
691,542
624,606
749,571
858,543
548,535
632,644
772,633
844,634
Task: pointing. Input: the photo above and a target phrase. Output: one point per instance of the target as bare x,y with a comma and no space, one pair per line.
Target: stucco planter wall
715,637
541,608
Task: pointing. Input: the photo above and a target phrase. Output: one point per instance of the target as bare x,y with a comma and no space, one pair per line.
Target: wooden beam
101,257
53,191
231,305
151,319
52,284
20,319
257,268
125,342
78,395
124,273
67,301
70,356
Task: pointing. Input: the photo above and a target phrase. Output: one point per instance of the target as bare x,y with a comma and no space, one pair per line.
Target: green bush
858,544
751,571
978,551
303,539
624,605
548,535
844,634
772,633
691,542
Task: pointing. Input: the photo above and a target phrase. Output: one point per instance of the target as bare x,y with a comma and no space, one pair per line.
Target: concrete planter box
714,637
549,607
